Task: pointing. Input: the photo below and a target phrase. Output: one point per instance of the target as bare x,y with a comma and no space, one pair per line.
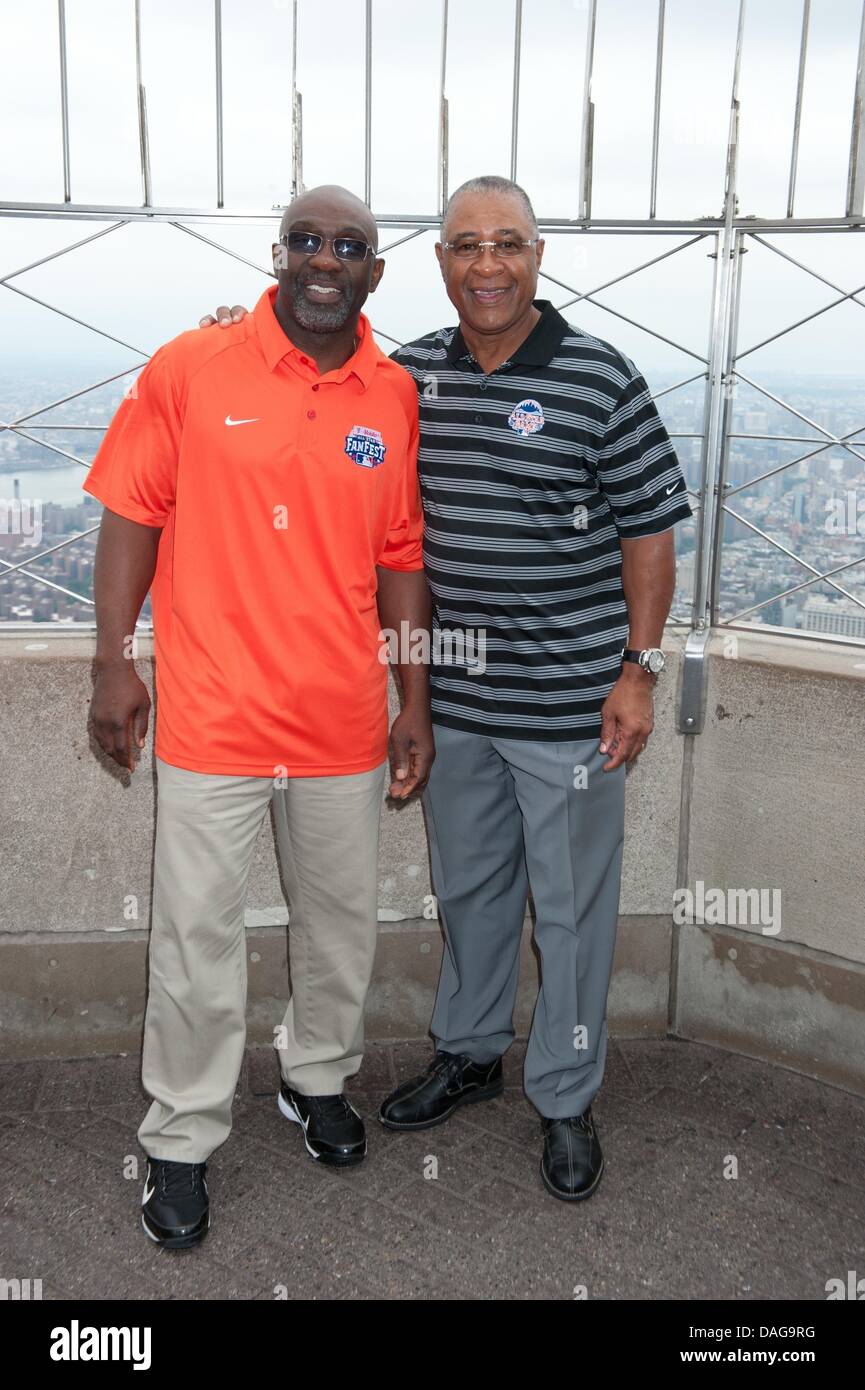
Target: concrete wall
78,832
774,789
778,804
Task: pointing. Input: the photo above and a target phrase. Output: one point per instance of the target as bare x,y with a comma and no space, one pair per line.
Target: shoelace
447,1066
176,1179
581,1123
332,1107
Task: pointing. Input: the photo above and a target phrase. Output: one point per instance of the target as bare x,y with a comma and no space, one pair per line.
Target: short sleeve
403,547
637,469
134,472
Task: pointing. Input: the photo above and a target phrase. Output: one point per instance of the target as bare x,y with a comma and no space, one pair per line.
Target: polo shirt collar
537,350
276,345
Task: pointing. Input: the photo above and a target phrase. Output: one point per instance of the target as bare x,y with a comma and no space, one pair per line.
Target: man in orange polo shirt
263,484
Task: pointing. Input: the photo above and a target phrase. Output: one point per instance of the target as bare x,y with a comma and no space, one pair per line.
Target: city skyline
816,508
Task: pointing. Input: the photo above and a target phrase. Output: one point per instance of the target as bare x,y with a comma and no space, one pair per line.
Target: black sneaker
332,1129
175,1208
450,1080
572,1164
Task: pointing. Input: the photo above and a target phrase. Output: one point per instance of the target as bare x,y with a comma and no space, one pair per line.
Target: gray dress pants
503,814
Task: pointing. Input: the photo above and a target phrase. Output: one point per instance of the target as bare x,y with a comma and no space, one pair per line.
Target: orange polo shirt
279,492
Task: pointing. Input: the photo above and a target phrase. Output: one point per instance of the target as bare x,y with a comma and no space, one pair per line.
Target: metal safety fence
725,237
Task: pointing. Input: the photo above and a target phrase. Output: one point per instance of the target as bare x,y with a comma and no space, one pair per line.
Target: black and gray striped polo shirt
529,476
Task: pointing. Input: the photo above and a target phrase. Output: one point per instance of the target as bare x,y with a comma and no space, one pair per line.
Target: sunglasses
345,248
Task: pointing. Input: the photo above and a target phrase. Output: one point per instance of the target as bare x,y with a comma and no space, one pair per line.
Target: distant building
838,616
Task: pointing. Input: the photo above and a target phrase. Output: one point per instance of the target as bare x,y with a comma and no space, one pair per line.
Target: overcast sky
146,283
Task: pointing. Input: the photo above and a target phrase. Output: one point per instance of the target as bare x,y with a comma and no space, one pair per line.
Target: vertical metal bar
143,142
443,117
296,114
367,109
299,142
719,363
64,100
588,118
515,95
656,119
727,413
217,30
800,86
702,561
856,177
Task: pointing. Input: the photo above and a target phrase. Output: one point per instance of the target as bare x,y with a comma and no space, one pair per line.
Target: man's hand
120,711
224,316
627,717
411,750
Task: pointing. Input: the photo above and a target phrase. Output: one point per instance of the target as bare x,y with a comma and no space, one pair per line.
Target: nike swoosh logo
254,420
669,489
147,1195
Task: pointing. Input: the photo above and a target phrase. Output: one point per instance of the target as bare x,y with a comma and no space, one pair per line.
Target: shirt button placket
482,386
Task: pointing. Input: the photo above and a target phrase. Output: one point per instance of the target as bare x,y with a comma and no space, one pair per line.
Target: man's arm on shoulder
224,316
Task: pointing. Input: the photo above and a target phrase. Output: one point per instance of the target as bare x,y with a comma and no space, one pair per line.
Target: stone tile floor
665,1222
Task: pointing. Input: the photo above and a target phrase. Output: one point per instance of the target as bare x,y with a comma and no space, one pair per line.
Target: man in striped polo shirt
550,490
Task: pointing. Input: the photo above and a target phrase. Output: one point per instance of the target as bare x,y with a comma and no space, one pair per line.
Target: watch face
656,661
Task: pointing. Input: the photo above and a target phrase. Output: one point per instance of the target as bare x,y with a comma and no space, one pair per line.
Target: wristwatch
651,659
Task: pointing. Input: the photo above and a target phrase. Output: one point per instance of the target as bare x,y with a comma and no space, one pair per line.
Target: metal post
367,108
856,176
143,142
443,116
515,94
64,100
724,451
719,353
588,119
800,85
217,30
656,119
716,412
296,114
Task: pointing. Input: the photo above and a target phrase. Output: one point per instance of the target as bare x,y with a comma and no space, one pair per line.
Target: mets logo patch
365,446
527,417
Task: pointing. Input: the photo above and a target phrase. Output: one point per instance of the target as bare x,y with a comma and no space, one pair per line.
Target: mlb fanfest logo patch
365,446
527,417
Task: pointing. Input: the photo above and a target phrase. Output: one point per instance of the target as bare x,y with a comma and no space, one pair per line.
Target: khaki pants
195,1025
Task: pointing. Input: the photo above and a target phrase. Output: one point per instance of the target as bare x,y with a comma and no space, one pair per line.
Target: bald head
333,204
322,292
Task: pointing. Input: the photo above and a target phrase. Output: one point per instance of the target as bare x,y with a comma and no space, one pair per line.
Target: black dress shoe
332,1129
175,1209
572,1164
450,1080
